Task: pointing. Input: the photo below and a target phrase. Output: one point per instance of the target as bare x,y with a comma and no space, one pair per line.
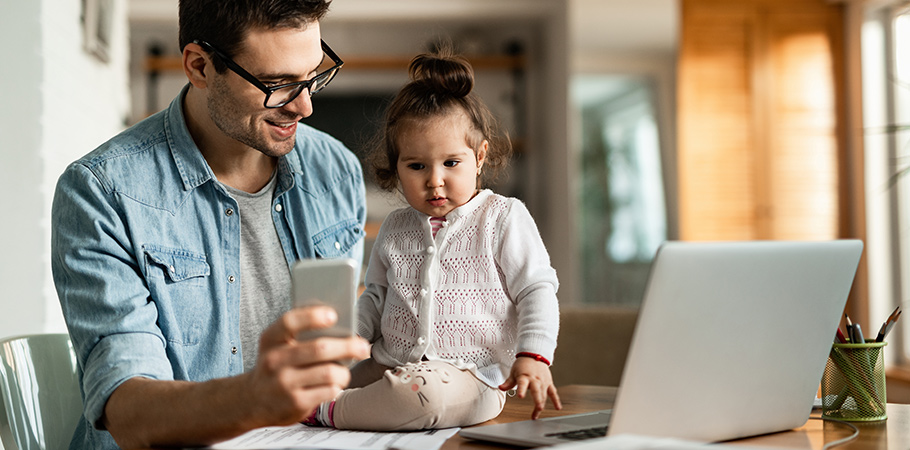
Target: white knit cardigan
480,292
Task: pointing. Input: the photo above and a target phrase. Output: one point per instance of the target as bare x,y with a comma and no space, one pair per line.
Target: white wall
57,102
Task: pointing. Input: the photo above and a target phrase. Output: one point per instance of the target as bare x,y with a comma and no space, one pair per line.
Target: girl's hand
534,376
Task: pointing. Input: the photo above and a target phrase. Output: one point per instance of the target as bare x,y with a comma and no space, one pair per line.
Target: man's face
274,57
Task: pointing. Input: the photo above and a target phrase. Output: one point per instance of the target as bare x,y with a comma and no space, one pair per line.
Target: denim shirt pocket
177,281
338,239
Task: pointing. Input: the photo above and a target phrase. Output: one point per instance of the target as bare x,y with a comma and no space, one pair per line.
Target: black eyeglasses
278,96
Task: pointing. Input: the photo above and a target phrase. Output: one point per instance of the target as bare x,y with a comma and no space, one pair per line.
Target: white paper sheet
305,437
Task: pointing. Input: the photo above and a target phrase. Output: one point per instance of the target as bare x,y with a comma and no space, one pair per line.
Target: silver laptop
731,341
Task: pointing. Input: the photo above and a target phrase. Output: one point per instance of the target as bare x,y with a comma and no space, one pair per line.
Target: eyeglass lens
325,72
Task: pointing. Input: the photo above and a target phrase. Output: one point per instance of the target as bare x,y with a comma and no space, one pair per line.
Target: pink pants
424,395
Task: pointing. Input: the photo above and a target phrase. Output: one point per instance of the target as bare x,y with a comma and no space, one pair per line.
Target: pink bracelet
533,356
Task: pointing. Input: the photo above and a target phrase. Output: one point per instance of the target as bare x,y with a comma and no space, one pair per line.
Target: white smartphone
330,282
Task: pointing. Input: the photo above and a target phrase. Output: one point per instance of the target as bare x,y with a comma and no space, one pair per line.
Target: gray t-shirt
265,278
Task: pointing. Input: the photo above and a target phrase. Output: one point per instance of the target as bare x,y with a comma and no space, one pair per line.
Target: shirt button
431,250
337,245
230,278
229,211
172,269
234,350
278,207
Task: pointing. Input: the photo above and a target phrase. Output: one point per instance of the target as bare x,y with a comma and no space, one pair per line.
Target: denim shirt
146,253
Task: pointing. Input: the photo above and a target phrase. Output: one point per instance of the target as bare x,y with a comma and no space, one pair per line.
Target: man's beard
223,110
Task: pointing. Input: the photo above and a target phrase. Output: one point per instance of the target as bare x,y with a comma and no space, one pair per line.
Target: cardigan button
431,250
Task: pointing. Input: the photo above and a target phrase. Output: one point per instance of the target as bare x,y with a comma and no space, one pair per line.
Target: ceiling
647,25
594,25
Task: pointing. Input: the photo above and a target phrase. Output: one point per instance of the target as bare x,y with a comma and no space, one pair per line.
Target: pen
886,327
882,332
858,334
839,337
849,328
893,322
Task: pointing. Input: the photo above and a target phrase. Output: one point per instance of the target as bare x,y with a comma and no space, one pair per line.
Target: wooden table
892,433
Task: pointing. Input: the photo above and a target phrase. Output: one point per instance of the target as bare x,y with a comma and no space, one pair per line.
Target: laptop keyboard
579,435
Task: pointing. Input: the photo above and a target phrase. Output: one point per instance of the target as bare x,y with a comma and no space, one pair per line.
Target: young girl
460,301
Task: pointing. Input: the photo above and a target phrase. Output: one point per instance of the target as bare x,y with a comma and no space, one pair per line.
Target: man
172,242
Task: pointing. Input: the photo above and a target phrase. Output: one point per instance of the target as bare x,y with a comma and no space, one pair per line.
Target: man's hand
534,376
290,379
296,376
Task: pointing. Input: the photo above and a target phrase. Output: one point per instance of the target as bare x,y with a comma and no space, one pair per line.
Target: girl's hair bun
443,73
441,85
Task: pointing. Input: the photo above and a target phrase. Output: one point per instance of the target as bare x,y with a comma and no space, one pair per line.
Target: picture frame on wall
97,21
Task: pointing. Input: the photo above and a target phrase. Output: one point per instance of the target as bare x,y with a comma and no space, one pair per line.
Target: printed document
306,437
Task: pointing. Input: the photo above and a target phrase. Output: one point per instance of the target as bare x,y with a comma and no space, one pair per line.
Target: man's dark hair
224,23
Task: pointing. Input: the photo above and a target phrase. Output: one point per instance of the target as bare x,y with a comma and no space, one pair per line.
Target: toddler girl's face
436,167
